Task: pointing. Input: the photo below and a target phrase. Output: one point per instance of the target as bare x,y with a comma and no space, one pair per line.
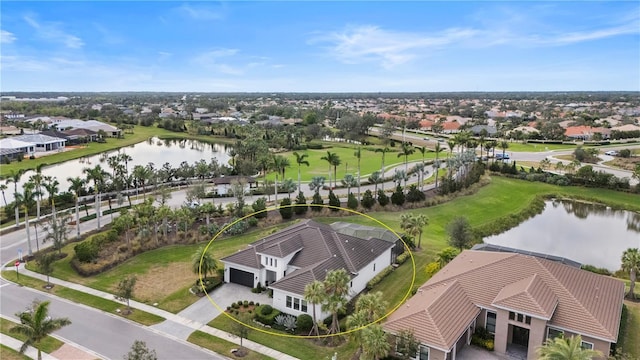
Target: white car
611,153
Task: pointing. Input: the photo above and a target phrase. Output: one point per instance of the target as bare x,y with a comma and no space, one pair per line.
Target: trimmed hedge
266,319
381,275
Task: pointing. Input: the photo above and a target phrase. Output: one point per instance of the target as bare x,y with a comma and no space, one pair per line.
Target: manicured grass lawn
109,306
221,346
7,353
140,134
370,161
298,347
48,345
631,342
533,147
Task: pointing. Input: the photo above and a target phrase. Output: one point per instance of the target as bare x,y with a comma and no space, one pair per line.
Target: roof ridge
343,252
476,268
526,292
561,284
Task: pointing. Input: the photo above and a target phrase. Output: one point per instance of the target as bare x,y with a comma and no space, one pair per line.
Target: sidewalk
194,325
15,344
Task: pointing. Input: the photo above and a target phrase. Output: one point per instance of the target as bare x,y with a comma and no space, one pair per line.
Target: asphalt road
107,335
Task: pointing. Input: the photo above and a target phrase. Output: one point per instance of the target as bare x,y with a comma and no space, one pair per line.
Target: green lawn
48,345
630,344
109,306
7,353
295,346
140,134
534,147
221,346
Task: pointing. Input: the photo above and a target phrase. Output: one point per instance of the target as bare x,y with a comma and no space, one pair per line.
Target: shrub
367,200
251,303
334,201
305,322
383,199
245,304
402,258
397,198
352,202
414,194
266,310
240,302
86,251
286,321
381,275
286,211
301,202
432,268
267,319
258,206
252,222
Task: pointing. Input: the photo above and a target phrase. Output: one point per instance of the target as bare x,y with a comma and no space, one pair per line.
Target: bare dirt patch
624,163
161,281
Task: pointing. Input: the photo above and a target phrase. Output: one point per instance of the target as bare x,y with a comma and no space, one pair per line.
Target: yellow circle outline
223,311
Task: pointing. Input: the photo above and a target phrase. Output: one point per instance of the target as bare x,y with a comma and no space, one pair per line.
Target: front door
520,336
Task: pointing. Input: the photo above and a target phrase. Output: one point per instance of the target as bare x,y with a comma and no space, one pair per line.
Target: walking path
31,352
184,324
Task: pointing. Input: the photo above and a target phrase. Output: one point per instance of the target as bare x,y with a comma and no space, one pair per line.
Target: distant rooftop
498,248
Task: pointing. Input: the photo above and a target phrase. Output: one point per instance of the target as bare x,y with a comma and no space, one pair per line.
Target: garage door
241,277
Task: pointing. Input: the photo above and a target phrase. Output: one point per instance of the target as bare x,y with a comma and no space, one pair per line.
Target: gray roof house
43,142
290,259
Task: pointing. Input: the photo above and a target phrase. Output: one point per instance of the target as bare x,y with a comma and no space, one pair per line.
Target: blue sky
328,46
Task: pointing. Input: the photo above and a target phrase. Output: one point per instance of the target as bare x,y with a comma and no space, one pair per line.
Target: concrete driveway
226,294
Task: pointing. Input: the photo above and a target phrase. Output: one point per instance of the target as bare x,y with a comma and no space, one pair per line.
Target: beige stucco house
523,300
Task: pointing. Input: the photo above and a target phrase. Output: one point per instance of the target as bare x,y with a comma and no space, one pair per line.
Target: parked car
612,153
425,138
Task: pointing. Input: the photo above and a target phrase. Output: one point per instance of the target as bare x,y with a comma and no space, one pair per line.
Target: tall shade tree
314,294
383,151
561,348
459,232
77,187
56,231
336,285
36,324
301,159
14,178
203,262
631,263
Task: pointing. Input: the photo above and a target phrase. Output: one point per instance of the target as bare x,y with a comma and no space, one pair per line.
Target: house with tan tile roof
522,300
290,259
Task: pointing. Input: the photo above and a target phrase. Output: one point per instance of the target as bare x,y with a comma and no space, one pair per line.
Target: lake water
591,234
153,150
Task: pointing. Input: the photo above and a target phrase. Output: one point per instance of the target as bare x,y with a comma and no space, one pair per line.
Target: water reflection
142,153
588,233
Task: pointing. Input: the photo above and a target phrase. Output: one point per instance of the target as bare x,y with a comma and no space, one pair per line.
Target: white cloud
212,60
200,12
52,32
390,48
6,37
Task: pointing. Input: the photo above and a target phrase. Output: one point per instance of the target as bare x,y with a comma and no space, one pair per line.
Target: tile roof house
292,258
585,132
521,299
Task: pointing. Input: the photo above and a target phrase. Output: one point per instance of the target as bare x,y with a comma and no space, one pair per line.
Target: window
296,304
304,306
491,322
288,301
512,315
424,353
520,318
270,261
586,345
527,320
554,333
374,267
275,261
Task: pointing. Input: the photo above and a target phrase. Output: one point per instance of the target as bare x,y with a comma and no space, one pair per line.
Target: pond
153,150
588,233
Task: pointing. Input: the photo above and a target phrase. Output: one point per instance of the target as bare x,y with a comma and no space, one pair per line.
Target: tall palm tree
490,145
406,151
436,164
14,177
51,184
334,160
375,345
336,285
97,175
383,151
37,179
349,181
3,187
631,263
413,225
277,165
77,186
375,178
561,348
265,165
141,175
358,155
504,145
36,325
25,200
301,159
451,144
314,294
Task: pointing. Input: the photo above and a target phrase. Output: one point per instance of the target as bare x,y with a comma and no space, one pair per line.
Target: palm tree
14,177
265,165
406,151
314,293
3,187
561,348
300,160
349,181
316,184
413,225
358,155
25,200
37,179
77,186
374,343
436,164
277,165
451,144
631,263
383,151
490,145
504,145
36,325
336,285
97,175
334,160
203,262
289,186
140,175
375,179
52,186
